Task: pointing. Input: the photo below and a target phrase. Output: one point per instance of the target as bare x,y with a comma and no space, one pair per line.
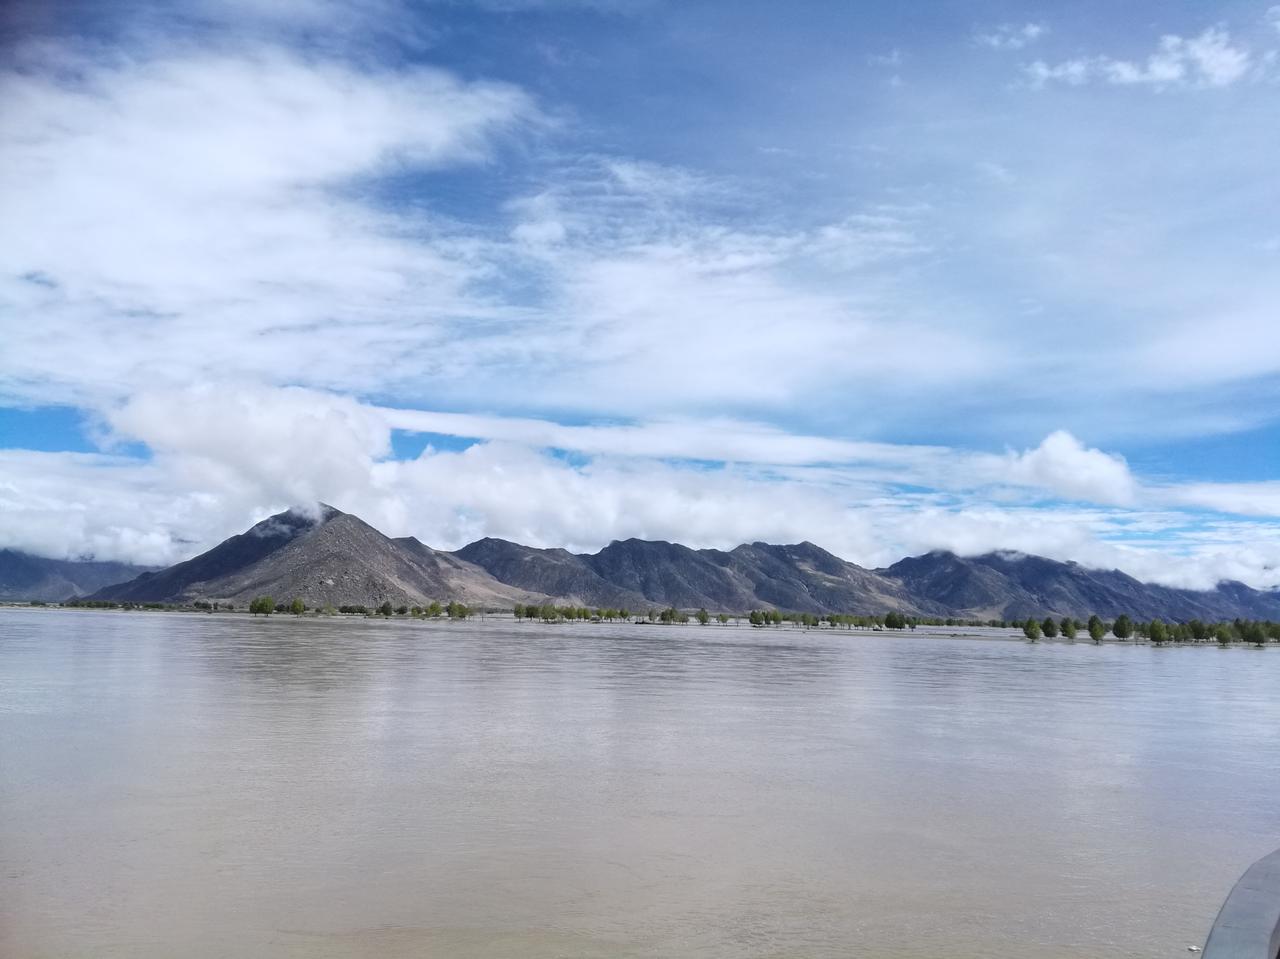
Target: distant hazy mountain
27,577
332,558
337,558
1014,585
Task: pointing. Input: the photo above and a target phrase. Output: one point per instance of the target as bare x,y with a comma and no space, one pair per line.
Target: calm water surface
203,786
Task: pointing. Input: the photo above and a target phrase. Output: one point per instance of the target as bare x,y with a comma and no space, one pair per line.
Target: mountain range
331,557
23,576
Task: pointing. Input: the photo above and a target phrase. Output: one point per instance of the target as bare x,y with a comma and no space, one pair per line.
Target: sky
888,278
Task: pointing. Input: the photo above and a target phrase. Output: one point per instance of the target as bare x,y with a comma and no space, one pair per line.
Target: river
215,785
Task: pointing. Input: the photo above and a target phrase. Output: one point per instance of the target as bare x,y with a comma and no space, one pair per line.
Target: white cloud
187,500
1071,72
256,252
224,457
193,208
251,255
73,505
1009,36
236,217
253,442
1241,499
1209,59
1063,464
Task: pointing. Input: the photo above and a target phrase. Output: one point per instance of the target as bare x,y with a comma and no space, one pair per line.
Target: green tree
1223,634
1049,627
1069,628
402,610
755,618
435,609
1158,632
722,618
385,609
1031,629
1097,629
1123,627
297,607
1254,633
262,605
703,617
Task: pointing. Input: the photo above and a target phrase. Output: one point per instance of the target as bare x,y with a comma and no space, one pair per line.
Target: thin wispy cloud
1008,36
1207,60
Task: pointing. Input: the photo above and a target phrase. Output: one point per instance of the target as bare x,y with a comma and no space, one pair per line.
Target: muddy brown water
211,786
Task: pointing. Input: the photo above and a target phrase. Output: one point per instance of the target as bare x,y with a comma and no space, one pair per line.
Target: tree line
1123,627
1156,631
266,605
550,613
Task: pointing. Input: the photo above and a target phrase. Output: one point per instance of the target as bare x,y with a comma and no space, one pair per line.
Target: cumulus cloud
1067,467
261,445
1209,59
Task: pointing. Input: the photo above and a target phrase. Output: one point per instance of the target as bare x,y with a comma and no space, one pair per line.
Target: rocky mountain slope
1014,586
336,558
640,574
333,558
26,577
552,572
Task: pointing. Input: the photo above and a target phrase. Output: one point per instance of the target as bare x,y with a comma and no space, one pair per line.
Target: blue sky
939,275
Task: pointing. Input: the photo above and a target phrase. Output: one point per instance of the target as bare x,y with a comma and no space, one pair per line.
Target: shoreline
977,633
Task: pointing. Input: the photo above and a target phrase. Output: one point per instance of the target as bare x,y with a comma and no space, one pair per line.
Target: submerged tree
1123,627
262,605
1049,627
297,607
1031,629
